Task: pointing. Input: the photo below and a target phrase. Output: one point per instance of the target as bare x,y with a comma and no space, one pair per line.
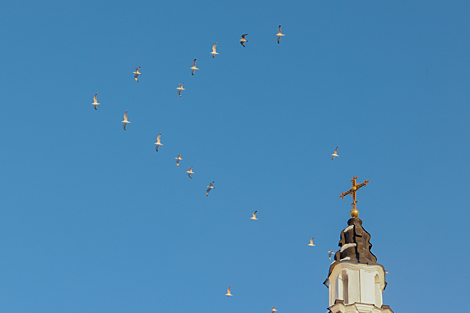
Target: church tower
355,280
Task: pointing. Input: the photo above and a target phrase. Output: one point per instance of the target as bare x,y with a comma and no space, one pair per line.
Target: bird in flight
311,242
228,294
254,216
95,102
193,68
330,253
190,172
335,154
178,159
214,52
243,40
211,186
137,73
279,34
125,122
273,310
180,88
158,143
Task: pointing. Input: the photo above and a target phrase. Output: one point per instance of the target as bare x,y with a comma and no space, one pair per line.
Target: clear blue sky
92,219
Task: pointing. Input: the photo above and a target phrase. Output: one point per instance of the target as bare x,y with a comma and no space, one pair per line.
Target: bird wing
124,126
228,290
158,138
94,98
336,150
213,47
278,39
243,36
192,72
194,62
179,93
125,116
137,68
181,85
279,29
156,148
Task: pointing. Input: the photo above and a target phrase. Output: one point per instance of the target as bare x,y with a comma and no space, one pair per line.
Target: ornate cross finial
352,191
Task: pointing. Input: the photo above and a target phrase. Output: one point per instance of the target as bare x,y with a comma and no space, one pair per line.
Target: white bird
178,159
311,242
279,34
335,154
214,52
95,102
180,88
137,73
125,121
228,294
243,40
273,310
254,216
193,68
158,143
330,253
190,172
211,186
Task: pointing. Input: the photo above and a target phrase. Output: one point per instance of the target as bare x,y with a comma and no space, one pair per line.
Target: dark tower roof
355,245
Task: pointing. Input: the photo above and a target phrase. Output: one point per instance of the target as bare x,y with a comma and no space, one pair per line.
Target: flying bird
158,143
330,253
178,159
180,88
125,121
214,52
273,310
279,34
311,242
243,40
190,172
193,68
228,294
137,73
335,154
95,102
254,216
211,186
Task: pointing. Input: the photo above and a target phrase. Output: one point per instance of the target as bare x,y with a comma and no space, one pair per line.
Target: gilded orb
354,212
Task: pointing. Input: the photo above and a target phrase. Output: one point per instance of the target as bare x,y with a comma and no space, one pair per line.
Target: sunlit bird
125,122
158,143
214,52
335,154
254,216
243,40
330,253
190,172
228,294
273,310
193,68
211,186
279,34
95,102
137,73
311,242
178,159
180,88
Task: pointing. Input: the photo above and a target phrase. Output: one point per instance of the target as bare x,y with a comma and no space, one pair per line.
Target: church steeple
355,279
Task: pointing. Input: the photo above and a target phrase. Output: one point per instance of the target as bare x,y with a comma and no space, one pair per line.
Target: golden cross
353,190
